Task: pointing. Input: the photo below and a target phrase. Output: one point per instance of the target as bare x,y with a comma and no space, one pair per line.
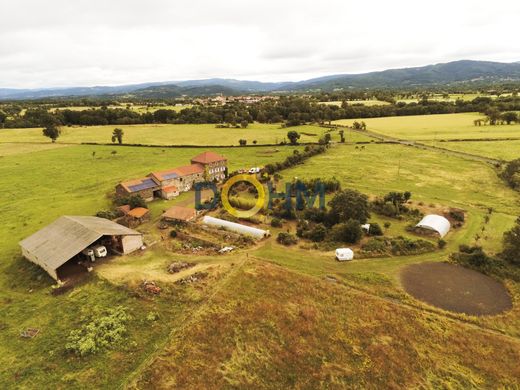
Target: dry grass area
268,327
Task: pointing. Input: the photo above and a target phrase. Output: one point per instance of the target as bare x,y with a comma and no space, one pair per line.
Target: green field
436,127
266,315
206,134
368,102
502,150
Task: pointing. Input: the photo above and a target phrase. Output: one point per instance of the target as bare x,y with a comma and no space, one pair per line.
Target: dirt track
455,288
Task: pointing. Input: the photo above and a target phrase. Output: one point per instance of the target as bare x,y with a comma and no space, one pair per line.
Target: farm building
214,165
137,216
168,184
146,187
435,223
236,227
181,178
179,214
65,238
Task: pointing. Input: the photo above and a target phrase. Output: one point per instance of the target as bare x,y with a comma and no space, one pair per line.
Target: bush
441,244
317,233
286,239
173,234
276,222
100,333
349,232
375,230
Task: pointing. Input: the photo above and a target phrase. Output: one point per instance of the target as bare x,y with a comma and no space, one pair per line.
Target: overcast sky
90,42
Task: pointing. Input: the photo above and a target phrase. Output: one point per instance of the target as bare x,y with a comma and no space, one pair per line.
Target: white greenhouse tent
435,223
235,227
343,254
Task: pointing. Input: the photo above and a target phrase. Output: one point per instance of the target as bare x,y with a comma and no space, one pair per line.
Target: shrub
317,233
173,234
100,333
375,230
441,243
286,239
276,222
349,232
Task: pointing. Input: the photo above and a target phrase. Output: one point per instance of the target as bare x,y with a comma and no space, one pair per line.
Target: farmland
205,134
437,127
268,314
501,150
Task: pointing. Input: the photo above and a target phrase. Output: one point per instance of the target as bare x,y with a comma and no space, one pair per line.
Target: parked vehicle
254,170
100,251
344,254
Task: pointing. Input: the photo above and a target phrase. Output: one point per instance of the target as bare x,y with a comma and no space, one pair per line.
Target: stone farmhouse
168,184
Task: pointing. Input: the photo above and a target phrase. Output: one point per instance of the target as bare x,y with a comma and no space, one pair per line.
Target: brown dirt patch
455,288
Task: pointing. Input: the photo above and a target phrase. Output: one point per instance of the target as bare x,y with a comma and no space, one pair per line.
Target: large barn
65,238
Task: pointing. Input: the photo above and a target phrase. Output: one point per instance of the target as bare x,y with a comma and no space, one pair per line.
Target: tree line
289,110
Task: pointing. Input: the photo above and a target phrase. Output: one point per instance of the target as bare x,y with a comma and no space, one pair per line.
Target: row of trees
291,110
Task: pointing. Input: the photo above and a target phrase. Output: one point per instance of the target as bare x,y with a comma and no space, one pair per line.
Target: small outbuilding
236,227
344,254
65,238
436,223
137,216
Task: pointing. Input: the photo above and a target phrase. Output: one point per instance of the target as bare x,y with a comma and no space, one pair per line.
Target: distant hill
451,73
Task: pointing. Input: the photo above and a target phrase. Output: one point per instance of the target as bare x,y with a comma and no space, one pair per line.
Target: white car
100,251
254,170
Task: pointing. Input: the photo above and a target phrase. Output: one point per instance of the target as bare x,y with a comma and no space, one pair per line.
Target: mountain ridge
455,72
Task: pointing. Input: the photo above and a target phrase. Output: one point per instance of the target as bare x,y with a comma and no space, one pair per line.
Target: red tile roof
170,189
138,212
180,213
124,209
207,158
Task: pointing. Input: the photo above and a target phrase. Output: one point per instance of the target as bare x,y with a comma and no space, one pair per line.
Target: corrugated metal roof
58,242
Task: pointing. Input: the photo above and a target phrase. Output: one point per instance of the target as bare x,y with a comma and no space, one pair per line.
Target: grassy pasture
436,127
368,102
205,134
503,150
258,324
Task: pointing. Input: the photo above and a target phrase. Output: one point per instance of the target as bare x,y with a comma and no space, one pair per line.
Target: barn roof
177,172
180,213
137,185
138,212
207,158
58,242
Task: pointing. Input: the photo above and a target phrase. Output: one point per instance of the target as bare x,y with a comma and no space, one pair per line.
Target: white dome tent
436,223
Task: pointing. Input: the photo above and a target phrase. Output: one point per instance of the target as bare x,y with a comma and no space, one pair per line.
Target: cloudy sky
90,42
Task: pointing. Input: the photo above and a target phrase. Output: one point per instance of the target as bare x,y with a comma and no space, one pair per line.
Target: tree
342,136
242,142
293,136
3,117
244,124
52,131
509,117
398,199
493,116
511,250
349,232
349,204
117,135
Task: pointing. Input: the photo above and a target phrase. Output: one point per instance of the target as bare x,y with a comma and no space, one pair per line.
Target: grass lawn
436,127
265,318
205,134
503,150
